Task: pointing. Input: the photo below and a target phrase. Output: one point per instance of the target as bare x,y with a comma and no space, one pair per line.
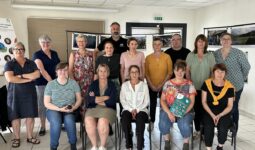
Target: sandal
33,140
15,143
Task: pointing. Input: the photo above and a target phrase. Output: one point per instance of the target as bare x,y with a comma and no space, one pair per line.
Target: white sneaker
102,148
152,126
93,148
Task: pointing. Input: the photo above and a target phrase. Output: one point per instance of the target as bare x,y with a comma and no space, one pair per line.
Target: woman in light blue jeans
62,97
177,86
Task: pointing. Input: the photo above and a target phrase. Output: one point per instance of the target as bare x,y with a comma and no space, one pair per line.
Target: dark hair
133,66
131,39
61,65
180,64
108,42
115,23
225,33
203,38
157,39
220,66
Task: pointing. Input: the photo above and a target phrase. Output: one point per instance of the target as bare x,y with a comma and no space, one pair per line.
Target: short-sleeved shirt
113,63
120,46
200,70
127,61
237,66
48,63
171,89
177,54
62,95
157,69
223,102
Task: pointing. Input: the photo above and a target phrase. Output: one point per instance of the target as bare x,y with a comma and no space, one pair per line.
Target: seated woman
217,99
62,97
176,86
134,97
101,107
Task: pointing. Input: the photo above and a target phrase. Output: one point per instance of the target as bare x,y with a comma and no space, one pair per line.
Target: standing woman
131,57
81,67
135,98
158,67
200,63
61,98
101,107
21,72
46,61
217,99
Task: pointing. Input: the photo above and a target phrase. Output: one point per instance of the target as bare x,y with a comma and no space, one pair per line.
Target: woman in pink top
131,57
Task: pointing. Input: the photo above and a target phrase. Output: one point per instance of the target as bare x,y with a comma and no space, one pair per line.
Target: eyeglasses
19,49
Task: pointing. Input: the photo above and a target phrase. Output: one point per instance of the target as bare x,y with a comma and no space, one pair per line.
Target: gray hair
44,38
81,36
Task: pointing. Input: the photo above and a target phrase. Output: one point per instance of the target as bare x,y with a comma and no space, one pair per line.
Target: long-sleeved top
237,65
110,91
137,98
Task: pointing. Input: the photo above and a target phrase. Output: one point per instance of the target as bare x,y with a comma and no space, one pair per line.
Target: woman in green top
199,65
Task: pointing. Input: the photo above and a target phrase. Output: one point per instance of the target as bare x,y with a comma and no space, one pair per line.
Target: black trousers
126,120
222,127
153,103
199,110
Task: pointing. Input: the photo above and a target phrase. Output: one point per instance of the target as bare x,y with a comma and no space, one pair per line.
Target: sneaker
93,148
102,148
219,148
152,126
185,146
167,145
42,132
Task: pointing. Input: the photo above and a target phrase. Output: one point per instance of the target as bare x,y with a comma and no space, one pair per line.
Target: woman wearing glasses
21,72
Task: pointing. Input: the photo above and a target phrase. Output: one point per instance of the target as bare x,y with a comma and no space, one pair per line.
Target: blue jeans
56,119
235,110
183,124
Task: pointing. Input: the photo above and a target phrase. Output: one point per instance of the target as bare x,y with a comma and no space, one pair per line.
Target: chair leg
116,132
3,138
120,130
192,135
9,129
160,141
150,135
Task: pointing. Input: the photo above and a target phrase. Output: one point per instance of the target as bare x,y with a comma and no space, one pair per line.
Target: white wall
134,14
229,13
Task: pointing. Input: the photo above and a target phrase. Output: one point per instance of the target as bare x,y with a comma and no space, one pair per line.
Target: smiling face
134,73
45,45
133,45
102,72
176,42
81,43
179,73
19,51
115,30
62,73
108,47
226,41
201,45
219,74
157,45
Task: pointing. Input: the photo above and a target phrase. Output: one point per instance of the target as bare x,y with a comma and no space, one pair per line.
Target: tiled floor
245,139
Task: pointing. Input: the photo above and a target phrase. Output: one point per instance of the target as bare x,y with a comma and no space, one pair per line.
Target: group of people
91,83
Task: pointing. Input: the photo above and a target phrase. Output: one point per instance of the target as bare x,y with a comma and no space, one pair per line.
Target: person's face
81,43
108,49
176,42
45,45
200,44
18,51
115,30
134,74
179,74
62,73
219,74
226,41
133,45
157,45
102,73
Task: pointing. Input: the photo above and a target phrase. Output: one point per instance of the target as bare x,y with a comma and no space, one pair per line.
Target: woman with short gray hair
46,61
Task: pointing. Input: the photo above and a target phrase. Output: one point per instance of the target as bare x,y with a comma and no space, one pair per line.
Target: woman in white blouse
134,97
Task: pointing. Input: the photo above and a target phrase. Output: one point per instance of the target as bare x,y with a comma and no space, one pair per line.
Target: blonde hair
104,66
81,36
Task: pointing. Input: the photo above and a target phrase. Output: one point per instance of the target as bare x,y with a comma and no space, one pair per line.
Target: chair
3,136
232,129
191,138
133,121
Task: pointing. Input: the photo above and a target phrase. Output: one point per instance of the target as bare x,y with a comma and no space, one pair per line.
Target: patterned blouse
171,89
83,71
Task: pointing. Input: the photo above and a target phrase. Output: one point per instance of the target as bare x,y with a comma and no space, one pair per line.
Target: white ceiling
118,4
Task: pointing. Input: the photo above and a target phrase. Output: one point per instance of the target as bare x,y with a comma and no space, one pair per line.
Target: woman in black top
217,100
